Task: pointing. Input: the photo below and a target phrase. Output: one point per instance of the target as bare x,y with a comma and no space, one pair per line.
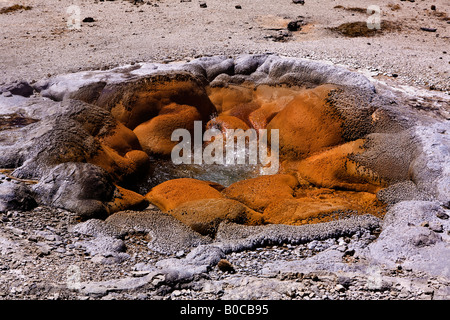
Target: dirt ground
39,42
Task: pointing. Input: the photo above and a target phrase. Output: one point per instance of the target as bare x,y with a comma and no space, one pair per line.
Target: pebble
340,288
428,29
56,251
88,19
442,215
225,266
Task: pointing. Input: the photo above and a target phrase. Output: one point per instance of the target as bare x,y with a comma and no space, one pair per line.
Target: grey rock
20,88
205,255
101,288
104,246
328,261
421,237
199,260
304,71
67,136
252,288
404,239
248,64
43,249
436,227
401,191
409,213
225,66
97,228
429,169
233,237
344,281
143,267
167,234
78,187
109,258
34,107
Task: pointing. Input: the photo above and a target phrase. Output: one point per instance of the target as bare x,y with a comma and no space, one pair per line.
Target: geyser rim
61,86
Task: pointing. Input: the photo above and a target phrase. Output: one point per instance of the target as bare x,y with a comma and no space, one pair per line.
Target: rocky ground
46,253
43,259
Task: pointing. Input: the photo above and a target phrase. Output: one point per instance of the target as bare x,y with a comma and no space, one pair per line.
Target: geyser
345,148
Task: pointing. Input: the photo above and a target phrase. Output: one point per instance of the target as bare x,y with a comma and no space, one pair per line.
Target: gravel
42,257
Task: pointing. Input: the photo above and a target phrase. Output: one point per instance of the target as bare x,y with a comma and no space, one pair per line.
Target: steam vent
351,153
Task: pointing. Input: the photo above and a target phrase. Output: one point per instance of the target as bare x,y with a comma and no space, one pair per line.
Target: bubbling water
161,170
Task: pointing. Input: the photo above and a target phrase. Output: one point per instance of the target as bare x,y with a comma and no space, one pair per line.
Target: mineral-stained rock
296,212
205,215
306,125
124,199
255,105
337,170
321,205
229,97
242,111
138,101
170,194
258,193
78,132
224,122
155,134
261,117
341,141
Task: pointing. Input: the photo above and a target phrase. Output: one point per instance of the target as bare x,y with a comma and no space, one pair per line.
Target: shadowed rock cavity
342,142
